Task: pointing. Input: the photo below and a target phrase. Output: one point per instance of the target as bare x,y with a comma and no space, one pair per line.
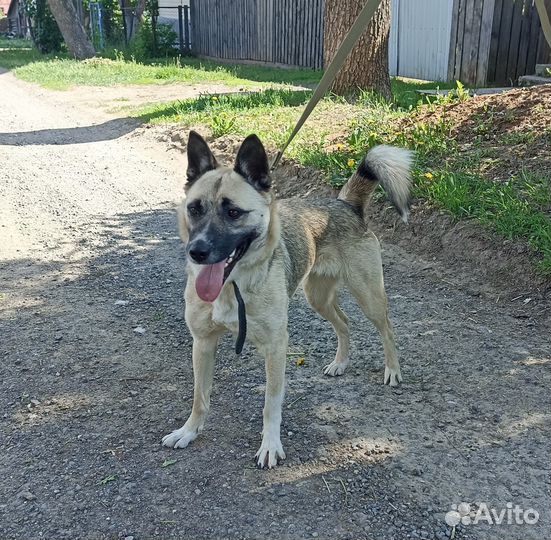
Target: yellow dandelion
428,175
340,146
351,163
214,98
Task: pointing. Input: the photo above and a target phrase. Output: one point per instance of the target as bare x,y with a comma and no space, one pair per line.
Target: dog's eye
194,210
234,213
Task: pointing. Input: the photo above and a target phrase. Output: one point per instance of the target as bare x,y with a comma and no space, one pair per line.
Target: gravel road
96,368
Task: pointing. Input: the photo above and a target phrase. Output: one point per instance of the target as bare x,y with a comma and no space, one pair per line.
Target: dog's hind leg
365,282
204,351
321,293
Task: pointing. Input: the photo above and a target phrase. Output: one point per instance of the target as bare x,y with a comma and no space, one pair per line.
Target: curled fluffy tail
387,165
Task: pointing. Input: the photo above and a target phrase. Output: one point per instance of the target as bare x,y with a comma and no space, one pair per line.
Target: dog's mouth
211,278
235,256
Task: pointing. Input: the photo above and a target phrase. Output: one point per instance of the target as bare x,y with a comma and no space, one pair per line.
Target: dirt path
89,255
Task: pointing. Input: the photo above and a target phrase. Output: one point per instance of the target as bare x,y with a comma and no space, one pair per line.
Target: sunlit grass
338,134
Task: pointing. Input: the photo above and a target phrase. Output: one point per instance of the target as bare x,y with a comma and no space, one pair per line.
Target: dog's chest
224,312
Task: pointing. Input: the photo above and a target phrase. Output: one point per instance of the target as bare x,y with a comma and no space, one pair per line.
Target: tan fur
323,245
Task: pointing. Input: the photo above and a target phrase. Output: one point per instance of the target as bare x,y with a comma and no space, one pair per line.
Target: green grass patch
15,53
183,110
60,73
515,209
338,134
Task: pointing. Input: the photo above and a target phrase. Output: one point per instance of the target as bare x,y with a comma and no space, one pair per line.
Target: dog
236,232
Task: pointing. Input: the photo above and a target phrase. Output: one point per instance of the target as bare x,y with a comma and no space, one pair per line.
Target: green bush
143,46
44,30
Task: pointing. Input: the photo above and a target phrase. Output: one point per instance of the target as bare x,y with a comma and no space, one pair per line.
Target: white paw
269,452
335,368
392,376
180,438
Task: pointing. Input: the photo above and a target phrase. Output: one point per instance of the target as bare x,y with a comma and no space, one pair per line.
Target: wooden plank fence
517,42
489,41
495,41
279,32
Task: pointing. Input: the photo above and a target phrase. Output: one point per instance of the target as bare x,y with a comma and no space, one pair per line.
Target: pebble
27,496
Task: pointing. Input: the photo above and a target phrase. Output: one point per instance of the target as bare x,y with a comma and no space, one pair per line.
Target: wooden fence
495,41
476,41
280,32
517,42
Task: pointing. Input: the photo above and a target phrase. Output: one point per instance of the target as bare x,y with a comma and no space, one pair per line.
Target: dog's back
323,235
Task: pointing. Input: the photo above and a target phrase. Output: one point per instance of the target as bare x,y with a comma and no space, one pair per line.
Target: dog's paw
335,368
392,376
180,438
269,452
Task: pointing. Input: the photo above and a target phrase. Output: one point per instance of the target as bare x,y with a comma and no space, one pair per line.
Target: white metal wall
419,44
167,11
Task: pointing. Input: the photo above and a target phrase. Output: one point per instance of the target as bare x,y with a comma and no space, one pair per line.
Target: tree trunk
132,18
138,17
366,68
72,31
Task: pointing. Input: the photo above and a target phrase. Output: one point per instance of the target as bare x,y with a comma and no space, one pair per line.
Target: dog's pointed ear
199,158
252,164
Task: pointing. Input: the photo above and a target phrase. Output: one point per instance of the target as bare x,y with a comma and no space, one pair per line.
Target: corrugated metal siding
419,43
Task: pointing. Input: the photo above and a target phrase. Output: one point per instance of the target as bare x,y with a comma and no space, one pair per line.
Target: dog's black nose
199,251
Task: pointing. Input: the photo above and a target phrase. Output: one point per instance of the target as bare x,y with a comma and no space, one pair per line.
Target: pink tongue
210,280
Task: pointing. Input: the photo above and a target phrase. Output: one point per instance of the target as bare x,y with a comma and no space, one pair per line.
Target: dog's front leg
204,351
270,449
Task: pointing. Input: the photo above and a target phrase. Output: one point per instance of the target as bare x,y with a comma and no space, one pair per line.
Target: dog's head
226,214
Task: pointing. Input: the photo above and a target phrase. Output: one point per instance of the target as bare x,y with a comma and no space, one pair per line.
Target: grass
60,73
515,209
336,136
338,133
18,52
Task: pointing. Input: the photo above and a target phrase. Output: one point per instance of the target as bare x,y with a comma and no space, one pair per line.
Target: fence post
181,29
193,27
154,32
186,28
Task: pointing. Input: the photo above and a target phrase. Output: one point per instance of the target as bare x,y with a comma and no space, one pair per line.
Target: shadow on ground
106,131
96,368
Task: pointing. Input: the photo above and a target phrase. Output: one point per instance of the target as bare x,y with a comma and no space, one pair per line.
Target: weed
222,124
107,480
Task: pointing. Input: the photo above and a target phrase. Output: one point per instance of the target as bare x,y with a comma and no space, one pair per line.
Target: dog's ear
199,158
252,164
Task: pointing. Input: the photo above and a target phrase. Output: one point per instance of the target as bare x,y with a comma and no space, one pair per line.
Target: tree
366,67
71,29
132,17
42,26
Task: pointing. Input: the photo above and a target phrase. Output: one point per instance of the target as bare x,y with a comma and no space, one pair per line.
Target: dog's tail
387,165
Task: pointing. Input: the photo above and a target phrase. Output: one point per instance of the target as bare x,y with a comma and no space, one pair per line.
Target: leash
544,20
356,30
242,318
